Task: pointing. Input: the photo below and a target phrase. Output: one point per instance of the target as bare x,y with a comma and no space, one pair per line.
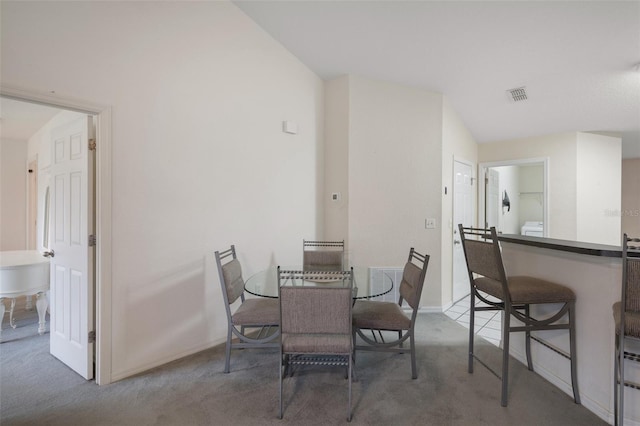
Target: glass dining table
367,282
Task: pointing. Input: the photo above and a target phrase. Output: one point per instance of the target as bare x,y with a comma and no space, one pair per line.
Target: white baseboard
447,306
430,310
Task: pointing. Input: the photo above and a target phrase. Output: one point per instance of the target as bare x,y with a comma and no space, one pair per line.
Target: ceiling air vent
517,94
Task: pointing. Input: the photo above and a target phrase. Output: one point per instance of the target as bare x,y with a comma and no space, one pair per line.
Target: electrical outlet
430,223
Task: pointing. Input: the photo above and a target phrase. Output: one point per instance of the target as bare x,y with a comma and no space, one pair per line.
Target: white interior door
462,213
72,282
492,199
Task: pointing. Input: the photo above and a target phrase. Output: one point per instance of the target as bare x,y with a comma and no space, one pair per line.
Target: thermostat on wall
290,127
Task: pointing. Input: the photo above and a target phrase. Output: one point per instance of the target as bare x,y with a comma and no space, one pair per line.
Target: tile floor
487,325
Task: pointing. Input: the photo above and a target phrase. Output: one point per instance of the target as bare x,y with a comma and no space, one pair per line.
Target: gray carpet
35,388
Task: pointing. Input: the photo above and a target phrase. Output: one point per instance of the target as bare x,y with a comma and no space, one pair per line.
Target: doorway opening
102,217
514,198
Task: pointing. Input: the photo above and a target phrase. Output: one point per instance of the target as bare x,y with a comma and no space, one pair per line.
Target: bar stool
514,295
627,322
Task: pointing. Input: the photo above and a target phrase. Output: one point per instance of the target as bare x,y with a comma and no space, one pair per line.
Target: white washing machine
533,229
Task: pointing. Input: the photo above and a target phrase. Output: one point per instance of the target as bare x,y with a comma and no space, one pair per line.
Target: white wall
599,183
561,150
336,177
509,218
584,181
391,137
395,173
630,214
198,94
13,194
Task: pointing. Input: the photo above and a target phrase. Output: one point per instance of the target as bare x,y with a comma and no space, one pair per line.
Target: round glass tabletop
367,282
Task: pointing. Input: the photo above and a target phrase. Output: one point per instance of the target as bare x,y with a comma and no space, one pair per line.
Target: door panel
462,213
72,263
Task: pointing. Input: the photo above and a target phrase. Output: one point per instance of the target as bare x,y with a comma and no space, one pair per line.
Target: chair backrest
323,309
230,274
413,276
482,253
323,255
630,274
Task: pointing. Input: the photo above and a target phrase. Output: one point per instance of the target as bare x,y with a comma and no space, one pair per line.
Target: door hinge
92,337
92,144
92,240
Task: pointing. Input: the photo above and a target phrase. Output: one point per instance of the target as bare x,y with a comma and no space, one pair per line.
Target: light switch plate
430,223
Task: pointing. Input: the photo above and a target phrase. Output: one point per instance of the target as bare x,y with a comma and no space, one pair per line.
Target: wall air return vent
518,94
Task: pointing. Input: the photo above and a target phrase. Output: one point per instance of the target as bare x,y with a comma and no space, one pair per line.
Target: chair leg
414,370
621,380
573,354
280,388
354,373
528,339
350,380
227,351
472,314
505,357
287,366
354,345
616,372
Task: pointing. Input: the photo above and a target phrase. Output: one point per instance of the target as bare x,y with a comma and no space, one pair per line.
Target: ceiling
578,60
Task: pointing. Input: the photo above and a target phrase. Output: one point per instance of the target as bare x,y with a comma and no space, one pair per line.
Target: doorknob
456,242
49,253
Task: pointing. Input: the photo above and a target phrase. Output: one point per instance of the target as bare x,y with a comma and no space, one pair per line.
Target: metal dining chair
251,314
315,322
627,323
323,255
515,295
378,316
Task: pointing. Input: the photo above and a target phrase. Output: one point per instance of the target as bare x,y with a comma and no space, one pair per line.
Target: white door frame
482,167
102,212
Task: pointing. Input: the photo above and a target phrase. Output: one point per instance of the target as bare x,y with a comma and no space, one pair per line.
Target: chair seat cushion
330,344
525,290
257,312
379,316
631,321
